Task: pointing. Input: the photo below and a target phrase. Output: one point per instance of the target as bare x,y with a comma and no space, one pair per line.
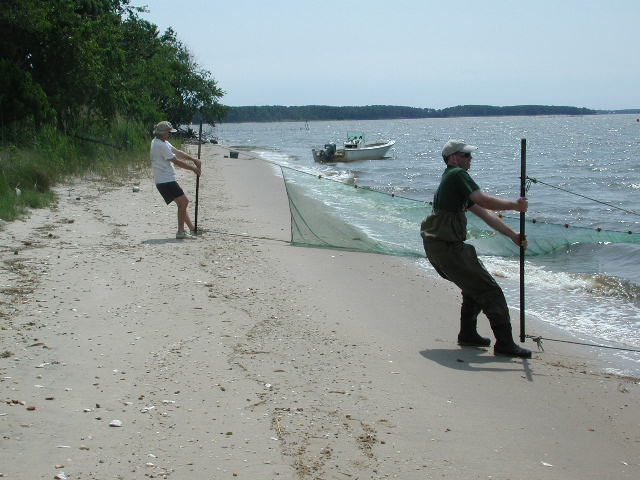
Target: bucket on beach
233,154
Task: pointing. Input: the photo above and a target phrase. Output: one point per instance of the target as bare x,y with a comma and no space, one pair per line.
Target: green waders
458,262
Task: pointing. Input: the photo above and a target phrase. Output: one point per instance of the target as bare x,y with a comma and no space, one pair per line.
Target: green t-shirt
448,221
453,193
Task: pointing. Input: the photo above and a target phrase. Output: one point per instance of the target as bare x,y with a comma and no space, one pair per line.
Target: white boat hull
371,151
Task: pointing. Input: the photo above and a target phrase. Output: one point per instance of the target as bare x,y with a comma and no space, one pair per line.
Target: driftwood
95,140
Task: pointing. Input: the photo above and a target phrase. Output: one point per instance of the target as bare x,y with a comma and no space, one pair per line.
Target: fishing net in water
333,214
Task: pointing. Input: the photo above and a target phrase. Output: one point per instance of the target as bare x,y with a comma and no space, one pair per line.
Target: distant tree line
277,113
80,64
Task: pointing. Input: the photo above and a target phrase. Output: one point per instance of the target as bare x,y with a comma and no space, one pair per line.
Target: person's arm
180,159
494,203
496,222
185,156
185,165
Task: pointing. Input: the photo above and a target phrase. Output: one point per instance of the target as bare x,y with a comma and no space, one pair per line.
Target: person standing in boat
444,233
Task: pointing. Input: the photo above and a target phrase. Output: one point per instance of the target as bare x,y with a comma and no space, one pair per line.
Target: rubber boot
468,335
505,346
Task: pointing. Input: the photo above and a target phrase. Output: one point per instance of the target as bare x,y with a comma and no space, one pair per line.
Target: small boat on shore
355,148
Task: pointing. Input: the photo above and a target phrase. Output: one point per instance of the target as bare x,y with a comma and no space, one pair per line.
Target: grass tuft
48,157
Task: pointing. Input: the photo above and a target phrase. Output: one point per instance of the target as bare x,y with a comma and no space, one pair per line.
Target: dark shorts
169,191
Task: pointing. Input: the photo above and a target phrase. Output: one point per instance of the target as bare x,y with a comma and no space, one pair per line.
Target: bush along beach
83,84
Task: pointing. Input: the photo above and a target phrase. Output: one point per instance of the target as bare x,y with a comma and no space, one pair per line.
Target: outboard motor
328,152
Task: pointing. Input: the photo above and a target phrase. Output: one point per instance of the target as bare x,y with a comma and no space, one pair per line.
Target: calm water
591,291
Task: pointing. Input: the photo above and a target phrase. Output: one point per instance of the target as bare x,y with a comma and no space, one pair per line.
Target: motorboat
354,148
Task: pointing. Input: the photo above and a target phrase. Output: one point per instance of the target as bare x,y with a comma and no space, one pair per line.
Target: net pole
195,220
523,176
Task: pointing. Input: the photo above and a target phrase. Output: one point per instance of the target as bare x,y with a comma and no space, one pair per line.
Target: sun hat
456,145
163,127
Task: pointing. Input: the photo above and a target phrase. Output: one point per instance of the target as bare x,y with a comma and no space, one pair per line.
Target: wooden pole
195,221
523,177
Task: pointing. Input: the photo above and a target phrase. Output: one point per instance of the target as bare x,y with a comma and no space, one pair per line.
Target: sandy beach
128,354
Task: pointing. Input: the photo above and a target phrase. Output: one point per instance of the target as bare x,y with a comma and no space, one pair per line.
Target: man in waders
443,235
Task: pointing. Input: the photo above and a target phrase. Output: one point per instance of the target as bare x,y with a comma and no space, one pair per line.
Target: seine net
333,214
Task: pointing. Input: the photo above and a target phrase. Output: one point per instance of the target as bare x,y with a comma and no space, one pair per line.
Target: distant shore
279,113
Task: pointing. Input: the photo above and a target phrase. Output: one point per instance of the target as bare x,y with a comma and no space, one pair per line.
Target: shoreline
582,345
241,356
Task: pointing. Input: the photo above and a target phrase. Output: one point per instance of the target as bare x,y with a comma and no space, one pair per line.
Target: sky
418,53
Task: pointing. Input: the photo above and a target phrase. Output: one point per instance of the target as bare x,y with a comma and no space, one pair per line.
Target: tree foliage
277,113
80,63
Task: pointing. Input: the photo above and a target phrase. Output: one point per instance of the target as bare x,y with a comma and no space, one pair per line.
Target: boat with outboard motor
354,148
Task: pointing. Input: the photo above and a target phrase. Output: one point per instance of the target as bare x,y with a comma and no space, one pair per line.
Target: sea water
590,291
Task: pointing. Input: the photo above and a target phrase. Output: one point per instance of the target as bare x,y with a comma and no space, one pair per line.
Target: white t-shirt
163,169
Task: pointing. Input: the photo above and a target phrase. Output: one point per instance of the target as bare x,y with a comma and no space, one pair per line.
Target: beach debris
146,409
115,423
83,447
31,408
279,429
61,476
135,188
546,464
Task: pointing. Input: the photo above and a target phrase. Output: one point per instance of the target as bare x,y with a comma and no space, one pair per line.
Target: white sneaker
185,236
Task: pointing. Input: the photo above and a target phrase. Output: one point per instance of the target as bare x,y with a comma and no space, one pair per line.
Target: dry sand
241,356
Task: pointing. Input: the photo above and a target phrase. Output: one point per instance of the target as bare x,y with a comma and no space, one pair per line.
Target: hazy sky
421,53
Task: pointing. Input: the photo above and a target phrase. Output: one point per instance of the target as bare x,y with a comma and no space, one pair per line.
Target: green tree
22,100
90,62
